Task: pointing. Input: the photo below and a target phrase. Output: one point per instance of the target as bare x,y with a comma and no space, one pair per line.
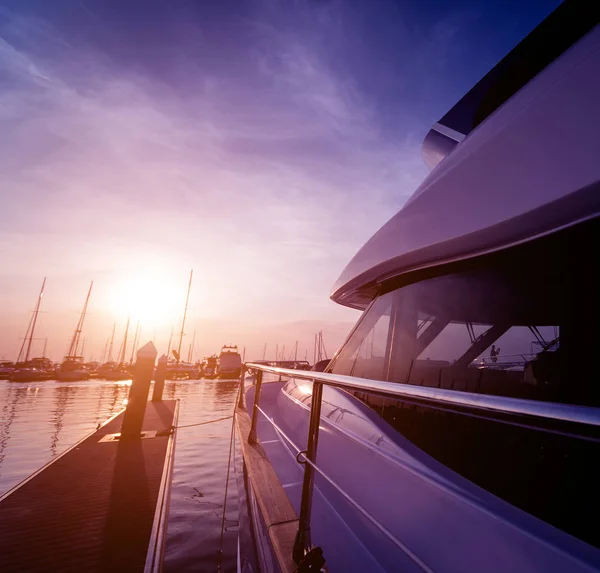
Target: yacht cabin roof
517,158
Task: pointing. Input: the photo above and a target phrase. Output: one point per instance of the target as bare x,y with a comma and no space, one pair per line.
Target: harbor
440,417
38,421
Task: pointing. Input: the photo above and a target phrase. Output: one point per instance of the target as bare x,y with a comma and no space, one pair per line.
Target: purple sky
260,143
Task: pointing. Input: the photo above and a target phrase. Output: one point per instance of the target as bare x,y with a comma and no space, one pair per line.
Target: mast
296,352
191,351
77,334
324,349
265,351
122,357
31,327
187,299
135,341
45,345
170,341
112,341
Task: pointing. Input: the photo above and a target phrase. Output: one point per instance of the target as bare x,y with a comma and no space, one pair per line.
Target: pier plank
93,508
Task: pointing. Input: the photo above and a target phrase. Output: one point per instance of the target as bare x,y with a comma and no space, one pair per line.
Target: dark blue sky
251,136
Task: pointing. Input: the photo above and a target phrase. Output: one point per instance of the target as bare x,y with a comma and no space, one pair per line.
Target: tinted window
523,323
516,324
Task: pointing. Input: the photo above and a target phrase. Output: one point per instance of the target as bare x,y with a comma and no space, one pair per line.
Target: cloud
280,174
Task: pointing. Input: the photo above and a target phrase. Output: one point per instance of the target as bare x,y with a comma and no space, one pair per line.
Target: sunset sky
260,143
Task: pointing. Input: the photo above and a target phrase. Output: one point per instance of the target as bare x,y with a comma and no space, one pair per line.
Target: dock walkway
99,507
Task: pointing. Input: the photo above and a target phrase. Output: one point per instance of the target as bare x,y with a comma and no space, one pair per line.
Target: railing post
159,379
302,543
252,434
138,393
242,377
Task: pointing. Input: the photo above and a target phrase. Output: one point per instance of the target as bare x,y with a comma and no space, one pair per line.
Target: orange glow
154,300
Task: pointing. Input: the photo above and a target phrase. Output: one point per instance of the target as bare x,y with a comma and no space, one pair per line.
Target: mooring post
159,379
138,393
241,390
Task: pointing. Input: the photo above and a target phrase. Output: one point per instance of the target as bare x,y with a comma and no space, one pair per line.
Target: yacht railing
457,401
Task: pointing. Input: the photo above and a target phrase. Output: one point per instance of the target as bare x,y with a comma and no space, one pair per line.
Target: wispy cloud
283,171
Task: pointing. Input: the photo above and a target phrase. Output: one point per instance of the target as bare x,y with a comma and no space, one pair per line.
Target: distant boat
6,369
27,374
117,374
209,366
181,370
26,369
230,362
116,371
72,369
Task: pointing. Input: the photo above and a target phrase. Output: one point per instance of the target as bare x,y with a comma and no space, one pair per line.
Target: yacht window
537,306
512,325
364,355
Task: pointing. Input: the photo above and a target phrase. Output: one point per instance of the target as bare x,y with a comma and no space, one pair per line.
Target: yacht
457,428
209,366
229,364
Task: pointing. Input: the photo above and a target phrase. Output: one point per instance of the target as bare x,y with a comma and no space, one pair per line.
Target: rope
220,551
202,423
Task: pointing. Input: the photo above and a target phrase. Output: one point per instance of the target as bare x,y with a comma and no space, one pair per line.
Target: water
39,420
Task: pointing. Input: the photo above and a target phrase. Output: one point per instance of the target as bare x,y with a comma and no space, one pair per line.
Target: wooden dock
101,506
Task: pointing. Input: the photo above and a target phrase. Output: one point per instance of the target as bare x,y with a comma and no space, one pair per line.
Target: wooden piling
138,393
159,379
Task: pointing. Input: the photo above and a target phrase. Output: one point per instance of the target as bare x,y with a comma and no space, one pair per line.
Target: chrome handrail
498,404
442,397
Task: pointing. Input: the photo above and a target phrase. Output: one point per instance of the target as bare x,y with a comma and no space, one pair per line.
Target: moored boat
6,369
72,368
423,447
229,364
27,374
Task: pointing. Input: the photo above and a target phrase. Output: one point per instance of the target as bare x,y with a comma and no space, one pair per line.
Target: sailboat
118,372
36,369
179,370
72,368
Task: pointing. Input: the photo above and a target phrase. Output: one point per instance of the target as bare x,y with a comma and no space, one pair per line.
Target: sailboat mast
135,339
33,322
191,352
170,341
77,334
112,341
123,350
187,299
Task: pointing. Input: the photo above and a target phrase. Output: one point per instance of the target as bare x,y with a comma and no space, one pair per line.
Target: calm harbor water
39,420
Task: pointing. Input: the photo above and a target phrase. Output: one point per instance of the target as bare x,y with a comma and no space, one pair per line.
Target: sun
154,300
